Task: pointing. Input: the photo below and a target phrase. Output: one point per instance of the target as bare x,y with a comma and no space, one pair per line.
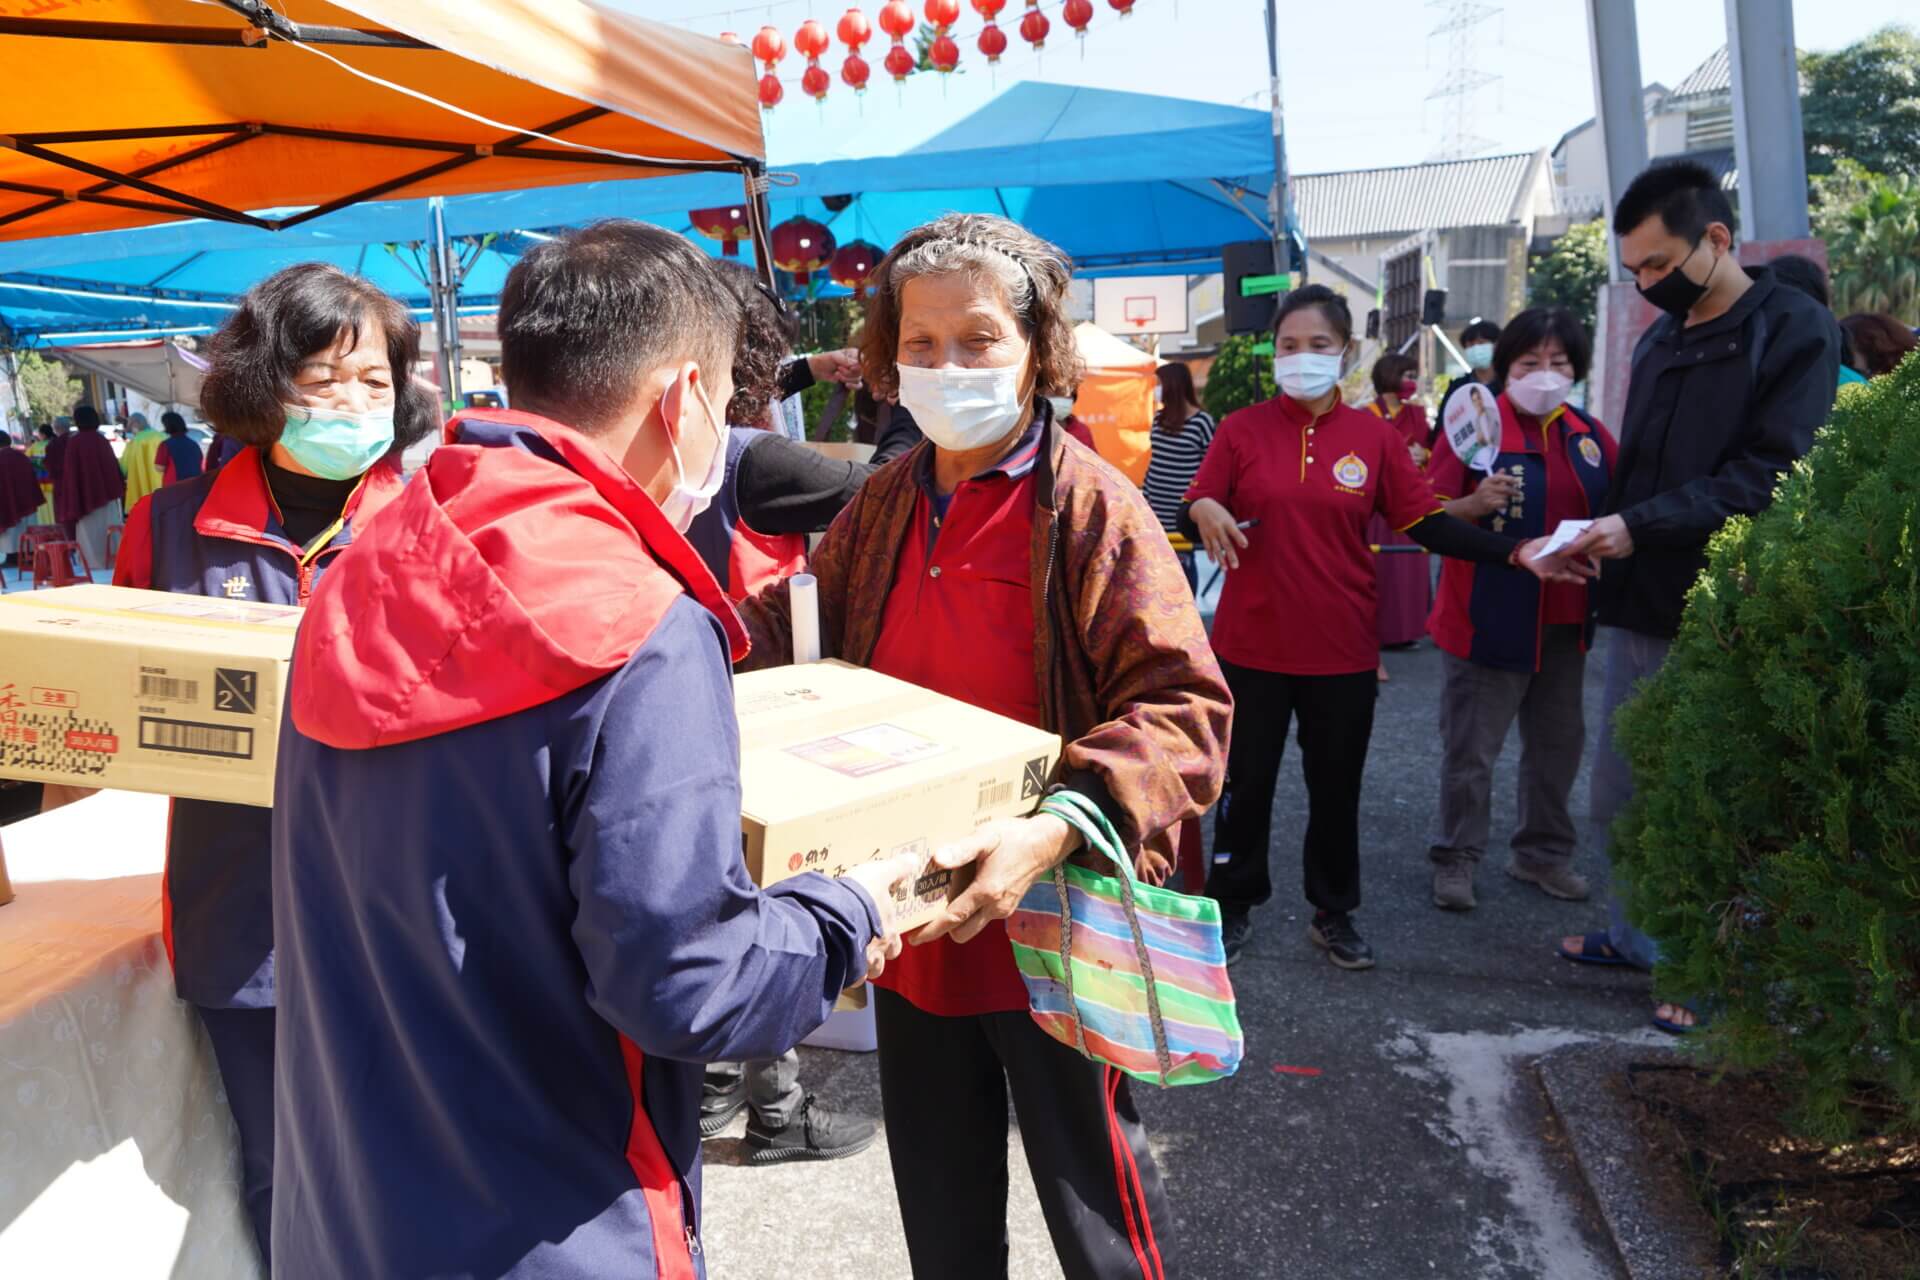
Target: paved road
1419,1148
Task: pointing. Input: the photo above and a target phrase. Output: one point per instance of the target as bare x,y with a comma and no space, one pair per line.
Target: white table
117,1152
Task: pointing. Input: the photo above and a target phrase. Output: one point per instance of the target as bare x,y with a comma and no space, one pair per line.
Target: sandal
1673,1028
1595,950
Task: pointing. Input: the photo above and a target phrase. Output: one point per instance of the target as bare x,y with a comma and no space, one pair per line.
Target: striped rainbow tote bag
1126,973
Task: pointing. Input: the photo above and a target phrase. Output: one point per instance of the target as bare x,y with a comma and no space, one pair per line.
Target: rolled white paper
803,592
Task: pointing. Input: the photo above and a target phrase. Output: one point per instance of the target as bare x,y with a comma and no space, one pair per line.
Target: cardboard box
143,691
840,766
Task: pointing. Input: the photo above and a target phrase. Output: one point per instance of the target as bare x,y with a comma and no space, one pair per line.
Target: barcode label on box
994,793
188,738
159,688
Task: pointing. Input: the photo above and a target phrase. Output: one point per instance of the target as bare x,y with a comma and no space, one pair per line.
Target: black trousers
944,1084
1336,724
243,1046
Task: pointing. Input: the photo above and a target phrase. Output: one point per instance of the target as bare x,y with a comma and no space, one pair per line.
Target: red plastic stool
115,534
53,565
33,537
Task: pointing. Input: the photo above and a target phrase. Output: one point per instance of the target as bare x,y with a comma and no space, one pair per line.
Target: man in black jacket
1726,392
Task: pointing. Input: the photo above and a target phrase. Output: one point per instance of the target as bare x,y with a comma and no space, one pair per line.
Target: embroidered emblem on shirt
236,587
1590,450
1350,472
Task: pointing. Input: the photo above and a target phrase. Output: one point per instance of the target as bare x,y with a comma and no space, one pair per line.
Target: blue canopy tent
1126,183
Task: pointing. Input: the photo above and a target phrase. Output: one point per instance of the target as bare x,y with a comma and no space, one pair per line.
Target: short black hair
1683,193
1390,369
1534,326
296,311
585,316
766,340
86,417
46,430
1797,271
172,423
1479,331
1331,305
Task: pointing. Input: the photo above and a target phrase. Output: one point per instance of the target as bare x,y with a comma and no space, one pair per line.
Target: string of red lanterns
897,20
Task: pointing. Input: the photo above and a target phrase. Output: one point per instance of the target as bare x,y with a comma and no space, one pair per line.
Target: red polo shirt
959,620
1303,600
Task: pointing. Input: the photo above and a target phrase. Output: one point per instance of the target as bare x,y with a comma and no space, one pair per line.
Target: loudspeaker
1433,307
1373,323
1237,262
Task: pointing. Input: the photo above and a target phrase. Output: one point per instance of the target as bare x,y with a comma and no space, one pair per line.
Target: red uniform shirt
1563,604
959,620
1303,600
1410,422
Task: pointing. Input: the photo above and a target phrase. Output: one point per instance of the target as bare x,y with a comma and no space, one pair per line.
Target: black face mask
1674,293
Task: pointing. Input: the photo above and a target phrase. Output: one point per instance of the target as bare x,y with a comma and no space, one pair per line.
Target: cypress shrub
1773,846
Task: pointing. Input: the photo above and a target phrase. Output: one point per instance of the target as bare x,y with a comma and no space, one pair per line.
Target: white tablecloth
117,1152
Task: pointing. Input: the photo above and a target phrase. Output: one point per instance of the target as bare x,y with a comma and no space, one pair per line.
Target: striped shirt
1176,460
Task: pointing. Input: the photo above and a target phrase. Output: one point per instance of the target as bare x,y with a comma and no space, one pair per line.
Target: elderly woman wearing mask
1004,564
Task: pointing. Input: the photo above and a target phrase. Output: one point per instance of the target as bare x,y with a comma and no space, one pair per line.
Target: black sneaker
1333,932
814,1133
1234,932
720,1103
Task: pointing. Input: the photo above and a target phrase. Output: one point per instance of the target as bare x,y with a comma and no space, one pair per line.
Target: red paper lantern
855,72
802,246
993,42
854,29
732,38
727,224
989,9
1034,25
853,263
769,46
770,91
811,40
943,14
814,82
943,53
1077,14
896,19
899,63
1124,6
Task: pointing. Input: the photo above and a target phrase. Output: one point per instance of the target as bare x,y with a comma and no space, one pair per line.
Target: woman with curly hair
1004,564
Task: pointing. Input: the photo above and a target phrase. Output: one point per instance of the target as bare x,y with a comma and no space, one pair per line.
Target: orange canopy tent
120,113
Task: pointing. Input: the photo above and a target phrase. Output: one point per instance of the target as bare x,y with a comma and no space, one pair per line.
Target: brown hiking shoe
1556,881
1453,886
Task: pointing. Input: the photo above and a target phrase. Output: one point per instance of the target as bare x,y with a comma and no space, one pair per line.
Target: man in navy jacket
512,915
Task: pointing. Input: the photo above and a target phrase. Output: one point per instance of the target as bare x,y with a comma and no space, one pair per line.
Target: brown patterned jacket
1126,676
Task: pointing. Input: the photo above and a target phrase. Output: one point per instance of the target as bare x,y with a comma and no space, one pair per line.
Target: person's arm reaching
682,953
782,486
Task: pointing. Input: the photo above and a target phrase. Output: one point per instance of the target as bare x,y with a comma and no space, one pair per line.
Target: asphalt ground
1384,1124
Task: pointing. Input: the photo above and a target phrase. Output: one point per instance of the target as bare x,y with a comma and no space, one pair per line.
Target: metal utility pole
1464,77
1619,103
1279,199
443,287
1767,139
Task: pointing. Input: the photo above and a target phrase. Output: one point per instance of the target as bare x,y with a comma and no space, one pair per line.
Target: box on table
840,766
143,690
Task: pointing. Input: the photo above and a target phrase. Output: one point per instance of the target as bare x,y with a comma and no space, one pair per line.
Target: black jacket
1715,415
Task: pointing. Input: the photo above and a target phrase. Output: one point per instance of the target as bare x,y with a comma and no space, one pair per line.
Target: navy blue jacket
513,916
219,534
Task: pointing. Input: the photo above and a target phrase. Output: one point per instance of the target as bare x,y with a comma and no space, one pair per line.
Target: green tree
1570,273
828,324
1773,844
49,390
1872,228
1238,377
1863,102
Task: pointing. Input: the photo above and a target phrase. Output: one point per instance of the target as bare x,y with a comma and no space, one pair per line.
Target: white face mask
1479,356
683,504
1307,375
962,409
1062,407
1539,393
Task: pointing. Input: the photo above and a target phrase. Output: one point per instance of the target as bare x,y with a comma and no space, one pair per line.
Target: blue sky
1355,73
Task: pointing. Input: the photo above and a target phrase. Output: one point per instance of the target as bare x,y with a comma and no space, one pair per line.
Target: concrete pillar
1619,102
1767,138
